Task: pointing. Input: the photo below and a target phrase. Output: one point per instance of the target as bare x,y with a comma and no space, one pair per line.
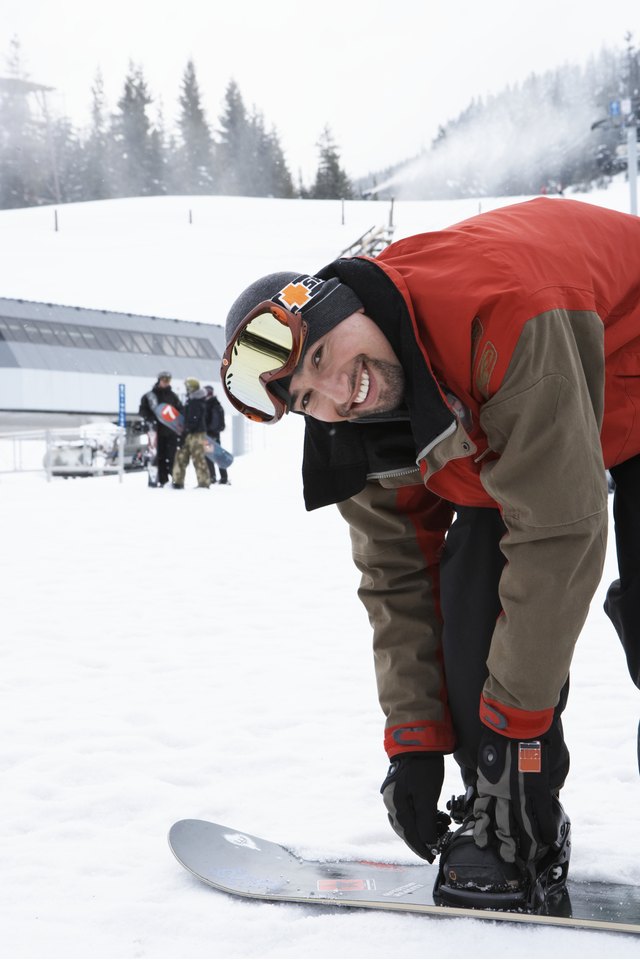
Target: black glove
410,793
514,809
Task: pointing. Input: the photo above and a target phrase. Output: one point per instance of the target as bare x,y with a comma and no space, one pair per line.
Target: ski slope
173,654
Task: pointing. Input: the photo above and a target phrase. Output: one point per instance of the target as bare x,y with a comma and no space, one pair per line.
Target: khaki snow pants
192,448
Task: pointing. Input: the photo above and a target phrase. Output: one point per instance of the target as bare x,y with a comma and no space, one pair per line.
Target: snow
173,654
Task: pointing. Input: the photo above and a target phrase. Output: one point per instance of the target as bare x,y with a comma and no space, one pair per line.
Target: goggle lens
263,347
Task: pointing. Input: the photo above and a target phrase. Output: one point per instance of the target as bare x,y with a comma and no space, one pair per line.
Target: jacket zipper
389,474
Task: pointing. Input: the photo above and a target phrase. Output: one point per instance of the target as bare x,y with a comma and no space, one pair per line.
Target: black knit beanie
322,303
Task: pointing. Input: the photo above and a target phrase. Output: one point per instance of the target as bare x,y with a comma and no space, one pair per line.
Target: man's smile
364,387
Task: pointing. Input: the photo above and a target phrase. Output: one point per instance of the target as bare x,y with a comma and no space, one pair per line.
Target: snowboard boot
471,876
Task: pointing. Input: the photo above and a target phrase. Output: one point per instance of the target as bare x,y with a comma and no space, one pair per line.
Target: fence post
238,435
121,433
47,456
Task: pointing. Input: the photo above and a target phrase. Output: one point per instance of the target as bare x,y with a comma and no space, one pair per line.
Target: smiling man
464,393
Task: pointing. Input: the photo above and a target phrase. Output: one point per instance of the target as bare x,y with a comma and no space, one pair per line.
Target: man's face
351,372
165,381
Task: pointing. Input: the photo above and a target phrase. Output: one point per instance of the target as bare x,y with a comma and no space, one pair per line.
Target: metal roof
51,336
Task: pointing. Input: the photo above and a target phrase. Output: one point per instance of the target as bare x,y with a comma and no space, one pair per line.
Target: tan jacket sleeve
544,422
397,537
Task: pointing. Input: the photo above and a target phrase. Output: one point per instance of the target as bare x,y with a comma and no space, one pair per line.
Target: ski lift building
62,365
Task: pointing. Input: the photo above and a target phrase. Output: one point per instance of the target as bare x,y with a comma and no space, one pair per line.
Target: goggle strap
279,390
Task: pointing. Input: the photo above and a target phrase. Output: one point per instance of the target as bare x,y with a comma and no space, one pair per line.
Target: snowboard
248,866
214,451
152,462
166,414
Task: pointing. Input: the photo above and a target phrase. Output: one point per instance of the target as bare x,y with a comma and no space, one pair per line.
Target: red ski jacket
528,319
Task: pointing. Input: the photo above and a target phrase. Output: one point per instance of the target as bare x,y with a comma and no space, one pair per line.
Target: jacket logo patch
399,736
530,757
494,718
485,367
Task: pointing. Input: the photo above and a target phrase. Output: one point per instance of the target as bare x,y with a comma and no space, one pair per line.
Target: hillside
553,132
189,257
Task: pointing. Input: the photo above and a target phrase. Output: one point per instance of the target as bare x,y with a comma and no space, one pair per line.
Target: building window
13,330
108,340
86,337
142,342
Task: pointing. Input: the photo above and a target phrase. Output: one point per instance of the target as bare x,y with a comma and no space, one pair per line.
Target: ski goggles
266,347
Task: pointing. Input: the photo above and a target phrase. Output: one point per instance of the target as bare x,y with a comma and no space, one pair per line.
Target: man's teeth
364,388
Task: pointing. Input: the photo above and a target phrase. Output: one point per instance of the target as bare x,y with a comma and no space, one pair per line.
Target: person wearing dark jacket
192,443
166,439
464,393
215,426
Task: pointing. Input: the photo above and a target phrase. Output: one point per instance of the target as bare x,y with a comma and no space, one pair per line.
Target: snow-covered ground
173,654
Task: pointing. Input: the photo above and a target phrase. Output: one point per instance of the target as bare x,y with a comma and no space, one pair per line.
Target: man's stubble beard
390,378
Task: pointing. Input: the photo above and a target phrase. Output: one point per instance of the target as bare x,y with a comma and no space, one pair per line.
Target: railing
373,241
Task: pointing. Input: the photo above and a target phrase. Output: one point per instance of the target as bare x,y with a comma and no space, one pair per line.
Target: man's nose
336,386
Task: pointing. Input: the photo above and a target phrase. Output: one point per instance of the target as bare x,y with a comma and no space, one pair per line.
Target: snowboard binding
472,877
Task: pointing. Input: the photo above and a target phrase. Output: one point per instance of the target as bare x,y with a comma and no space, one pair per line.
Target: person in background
192,442
166,439
215,426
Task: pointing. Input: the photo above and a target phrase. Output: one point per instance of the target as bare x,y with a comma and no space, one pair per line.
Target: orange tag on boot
530,757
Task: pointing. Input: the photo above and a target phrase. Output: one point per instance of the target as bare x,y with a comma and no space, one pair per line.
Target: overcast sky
382,73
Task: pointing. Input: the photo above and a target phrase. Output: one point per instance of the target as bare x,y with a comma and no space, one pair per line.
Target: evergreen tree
173,180
281,183
98,152
136,148
234,151
24,161
158,163
303,192
194,167
68,151
255,161
264,164
331,181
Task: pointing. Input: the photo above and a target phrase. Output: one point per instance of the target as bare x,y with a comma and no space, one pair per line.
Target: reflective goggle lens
264,346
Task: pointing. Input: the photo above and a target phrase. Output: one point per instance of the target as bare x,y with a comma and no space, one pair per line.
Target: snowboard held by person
464,393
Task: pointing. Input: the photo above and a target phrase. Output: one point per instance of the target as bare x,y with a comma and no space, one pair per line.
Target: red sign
340,885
